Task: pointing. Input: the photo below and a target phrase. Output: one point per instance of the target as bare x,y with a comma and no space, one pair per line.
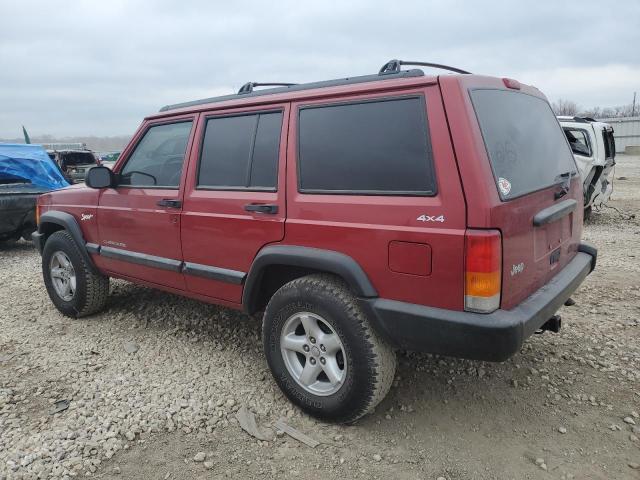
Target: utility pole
633,107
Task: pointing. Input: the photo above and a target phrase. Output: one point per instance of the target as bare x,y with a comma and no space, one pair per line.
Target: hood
30,163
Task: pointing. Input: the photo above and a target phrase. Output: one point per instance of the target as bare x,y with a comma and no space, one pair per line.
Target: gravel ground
149,389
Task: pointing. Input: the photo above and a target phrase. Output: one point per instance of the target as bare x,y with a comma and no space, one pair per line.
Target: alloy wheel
313,353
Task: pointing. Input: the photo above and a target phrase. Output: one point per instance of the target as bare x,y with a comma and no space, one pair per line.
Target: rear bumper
492,337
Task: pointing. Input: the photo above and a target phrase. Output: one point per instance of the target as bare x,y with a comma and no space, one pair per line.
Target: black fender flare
70,224
296,256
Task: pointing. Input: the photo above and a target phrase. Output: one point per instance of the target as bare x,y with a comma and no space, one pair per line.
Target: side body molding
306,257
70,224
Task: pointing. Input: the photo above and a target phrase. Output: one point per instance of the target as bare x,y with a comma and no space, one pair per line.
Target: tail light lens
483,270
38,214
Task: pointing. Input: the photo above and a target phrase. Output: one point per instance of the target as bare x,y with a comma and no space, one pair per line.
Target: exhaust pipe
552,325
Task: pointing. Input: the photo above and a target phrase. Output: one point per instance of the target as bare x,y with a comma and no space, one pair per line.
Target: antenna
26,135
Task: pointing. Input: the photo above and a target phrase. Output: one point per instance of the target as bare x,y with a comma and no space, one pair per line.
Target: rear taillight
483,270
37,214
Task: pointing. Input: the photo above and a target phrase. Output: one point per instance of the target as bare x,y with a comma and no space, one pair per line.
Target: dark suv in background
74,160
394,210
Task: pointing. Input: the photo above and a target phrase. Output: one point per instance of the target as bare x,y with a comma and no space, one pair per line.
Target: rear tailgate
512,158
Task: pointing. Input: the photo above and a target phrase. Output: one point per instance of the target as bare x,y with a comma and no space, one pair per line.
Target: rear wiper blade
563,176
565,183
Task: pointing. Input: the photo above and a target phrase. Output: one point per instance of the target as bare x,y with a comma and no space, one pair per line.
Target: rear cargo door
538,208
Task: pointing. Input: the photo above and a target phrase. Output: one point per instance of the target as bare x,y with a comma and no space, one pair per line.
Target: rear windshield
77,158
526,146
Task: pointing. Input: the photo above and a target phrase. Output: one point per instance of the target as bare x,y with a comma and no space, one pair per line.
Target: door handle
169,203
261,208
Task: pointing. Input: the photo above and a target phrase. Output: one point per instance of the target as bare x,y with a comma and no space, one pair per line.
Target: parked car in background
108,159
73,159
26,171
594,149
361,215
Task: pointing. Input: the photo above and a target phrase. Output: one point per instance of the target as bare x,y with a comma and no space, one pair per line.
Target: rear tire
344,386
74,288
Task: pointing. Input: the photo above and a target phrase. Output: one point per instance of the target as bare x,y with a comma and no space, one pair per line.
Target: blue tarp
31,163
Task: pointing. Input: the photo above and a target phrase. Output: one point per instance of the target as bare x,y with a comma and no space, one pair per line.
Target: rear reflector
483,270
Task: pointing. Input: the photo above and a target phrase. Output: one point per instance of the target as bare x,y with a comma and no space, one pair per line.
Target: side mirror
99,177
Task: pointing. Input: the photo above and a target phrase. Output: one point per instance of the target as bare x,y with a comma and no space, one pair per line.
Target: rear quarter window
526,146
379,147
578,141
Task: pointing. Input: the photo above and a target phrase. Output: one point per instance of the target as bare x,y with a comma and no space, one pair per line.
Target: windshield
527,148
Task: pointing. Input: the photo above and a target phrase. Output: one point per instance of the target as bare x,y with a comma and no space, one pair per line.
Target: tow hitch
551,325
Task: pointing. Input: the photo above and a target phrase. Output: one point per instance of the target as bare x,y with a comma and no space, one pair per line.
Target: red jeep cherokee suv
395,210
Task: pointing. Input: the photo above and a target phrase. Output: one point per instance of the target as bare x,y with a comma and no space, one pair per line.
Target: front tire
322,351
74,288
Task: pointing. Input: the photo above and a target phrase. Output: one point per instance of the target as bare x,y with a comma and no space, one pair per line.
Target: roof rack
572,118
249,86
393,66
247,90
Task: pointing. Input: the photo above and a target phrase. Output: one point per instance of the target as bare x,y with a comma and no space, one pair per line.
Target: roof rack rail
393,66
249,86
573,118
245,92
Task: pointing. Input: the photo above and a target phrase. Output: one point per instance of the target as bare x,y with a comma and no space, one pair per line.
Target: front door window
158,157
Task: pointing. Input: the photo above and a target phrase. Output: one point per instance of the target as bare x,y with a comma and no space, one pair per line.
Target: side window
375,148
158,158
578,141
241,152
609,144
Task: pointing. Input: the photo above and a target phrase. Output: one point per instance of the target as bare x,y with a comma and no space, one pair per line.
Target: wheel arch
276,265
53,221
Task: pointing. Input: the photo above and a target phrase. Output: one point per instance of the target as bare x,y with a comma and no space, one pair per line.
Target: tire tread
382,360
97,285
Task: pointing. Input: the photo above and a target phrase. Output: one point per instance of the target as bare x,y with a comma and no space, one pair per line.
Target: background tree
571,108
565,107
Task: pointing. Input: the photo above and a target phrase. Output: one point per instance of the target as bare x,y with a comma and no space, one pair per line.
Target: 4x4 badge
429,218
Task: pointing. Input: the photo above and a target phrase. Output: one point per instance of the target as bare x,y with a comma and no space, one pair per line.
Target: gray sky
98,67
